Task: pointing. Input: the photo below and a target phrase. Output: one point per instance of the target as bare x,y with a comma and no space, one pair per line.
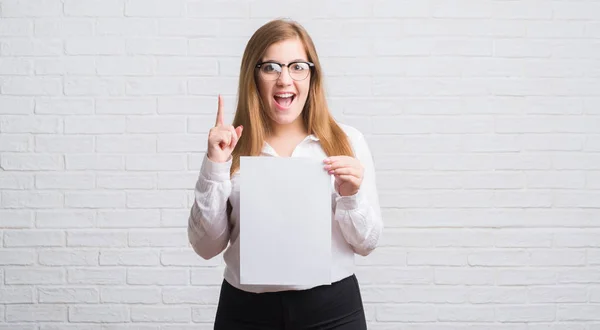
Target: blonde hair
250,112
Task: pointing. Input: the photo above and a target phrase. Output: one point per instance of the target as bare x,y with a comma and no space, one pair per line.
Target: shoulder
353,134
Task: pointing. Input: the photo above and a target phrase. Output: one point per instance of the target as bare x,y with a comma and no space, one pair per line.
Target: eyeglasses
272,70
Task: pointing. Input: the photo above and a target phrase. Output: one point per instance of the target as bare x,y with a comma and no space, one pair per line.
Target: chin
285,119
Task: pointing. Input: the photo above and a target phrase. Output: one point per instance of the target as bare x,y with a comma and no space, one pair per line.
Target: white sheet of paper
285,221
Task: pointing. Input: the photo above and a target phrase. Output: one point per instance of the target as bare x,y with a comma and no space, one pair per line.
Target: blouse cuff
349,202
214,171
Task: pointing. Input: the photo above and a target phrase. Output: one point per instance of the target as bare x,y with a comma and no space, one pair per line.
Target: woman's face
283,96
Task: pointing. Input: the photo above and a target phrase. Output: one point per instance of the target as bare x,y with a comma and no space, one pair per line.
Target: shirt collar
267,149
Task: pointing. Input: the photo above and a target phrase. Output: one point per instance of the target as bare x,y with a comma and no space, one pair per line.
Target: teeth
285,95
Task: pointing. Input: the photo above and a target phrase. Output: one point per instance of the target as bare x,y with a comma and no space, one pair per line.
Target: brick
37,8
63,27
128,26
154,8
190,295
161,314
36,313
68,257
162,238
463,276
129,258
64,181
49,106
190,27
94,125
16,66
556,294
204,314
129,144
526,277
33,238
159,124
99,314
65,219
31,199
16,218
222,9
16,295
94,86
17,257
105,238
526,313
121,106
502,295
156,46
156,276
156,163
94,162
30,124
186,67
99,276
181,143
67,295
499,258
410,313
125,66
154,86
31,47
99,199
16,143
129,219
34,275
94,8
16,105
126,295
466,314
16,180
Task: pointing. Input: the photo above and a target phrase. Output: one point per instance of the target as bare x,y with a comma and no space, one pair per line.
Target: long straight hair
250,111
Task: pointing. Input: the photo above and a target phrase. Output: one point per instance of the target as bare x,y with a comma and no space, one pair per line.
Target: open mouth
284,100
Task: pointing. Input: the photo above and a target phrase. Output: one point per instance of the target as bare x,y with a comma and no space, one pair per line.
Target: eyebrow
296,60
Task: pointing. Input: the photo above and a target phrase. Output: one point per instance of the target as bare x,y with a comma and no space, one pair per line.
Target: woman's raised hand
222,138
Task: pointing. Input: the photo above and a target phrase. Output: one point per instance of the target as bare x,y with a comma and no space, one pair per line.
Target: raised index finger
220,120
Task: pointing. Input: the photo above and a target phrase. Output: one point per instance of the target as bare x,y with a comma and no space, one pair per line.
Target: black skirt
327,307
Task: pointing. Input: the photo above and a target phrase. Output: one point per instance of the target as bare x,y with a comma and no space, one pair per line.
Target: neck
292,129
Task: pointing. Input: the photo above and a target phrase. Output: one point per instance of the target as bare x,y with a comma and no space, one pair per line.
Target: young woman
282,112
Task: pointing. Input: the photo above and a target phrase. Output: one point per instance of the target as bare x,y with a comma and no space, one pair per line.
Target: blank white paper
285,221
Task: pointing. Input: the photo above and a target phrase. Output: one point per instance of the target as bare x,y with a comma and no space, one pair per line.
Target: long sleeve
359,215
208,225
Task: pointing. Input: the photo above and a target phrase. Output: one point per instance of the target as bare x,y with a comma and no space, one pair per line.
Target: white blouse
356,220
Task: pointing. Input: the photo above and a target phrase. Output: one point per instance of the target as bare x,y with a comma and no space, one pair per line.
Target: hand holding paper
348,172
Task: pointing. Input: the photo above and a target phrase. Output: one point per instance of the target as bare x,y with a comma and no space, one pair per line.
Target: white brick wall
483,117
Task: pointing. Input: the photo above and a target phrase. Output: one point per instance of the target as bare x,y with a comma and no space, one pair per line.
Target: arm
359,215
208,224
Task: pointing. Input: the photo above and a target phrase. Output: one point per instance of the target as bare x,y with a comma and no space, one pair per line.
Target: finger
352,163
346,171
333,159
234,136
220,112
348,178
238,131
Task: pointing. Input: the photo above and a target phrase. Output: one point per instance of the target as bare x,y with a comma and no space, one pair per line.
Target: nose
284,77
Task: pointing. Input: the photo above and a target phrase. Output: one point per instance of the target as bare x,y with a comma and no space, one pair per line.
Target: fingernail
331,172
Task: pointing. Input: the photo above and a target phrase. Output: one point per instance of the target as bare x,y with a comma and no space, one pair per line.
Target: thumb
238,131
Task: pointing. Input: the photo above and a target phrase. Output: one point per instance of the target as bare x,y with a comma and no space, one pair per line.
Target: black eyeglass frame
311,66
